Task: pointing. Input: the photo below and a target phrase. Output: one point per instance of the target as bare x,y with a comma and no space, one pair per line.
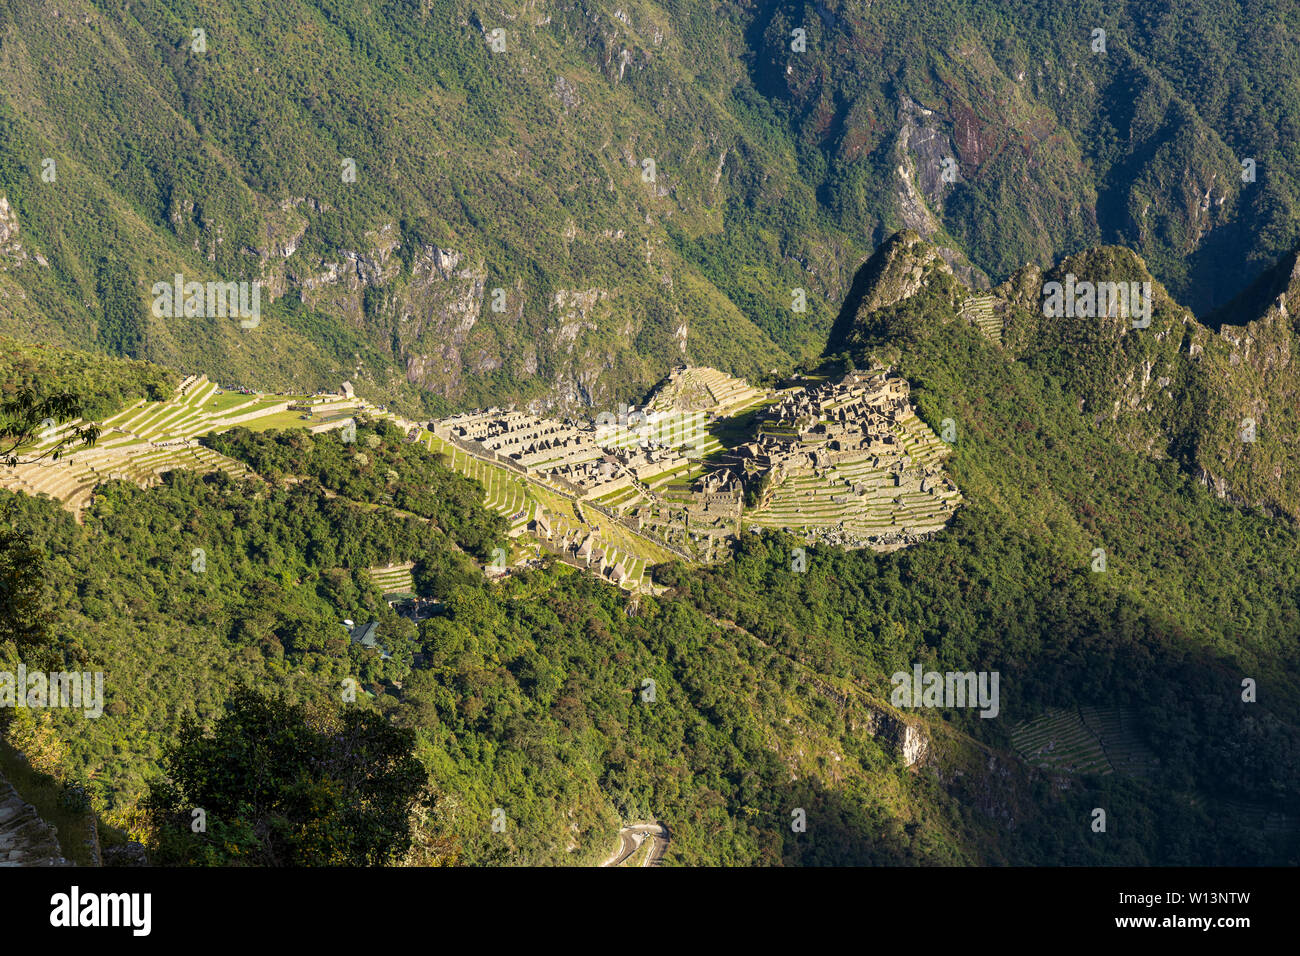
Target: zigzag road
630,839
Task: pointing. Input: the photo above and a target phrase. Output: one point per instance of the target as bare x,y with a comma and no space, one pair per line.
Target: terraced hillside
706,389
663,500
604,544
980,310
392,580
822,506
1096,740
851,464
146,439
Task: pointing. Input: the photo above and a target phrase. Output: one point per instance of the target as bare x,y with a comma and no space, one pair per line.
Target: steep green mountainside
1054,431
1059,137
526,171
103,385
750,689
562,211
526,695
530,696
1224,405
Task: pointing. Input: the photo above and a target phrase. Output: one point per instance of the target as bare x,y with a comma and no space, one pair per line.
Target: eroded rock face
11,250
433,307
8,225
914,745
426,313
898,270
923,153
353,270
572,309
435,315
922,150
904,737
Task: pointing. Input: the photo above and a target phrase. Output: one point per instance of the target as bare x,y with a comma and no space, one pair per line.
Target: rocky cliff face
432,320
25,839
8,228
898,271
904,737
422,307
1251,451
928,167
11,249
449,327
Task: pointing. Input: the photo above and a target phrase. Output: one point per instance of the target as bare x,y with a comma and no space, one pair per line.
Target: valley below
650,433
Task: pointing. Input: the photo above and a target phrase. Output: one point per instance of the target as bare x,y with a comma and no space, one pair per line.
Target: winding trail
630,839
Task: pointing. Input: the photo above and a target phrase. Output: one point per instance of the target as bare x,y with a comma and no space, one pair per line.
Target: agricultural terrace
143,441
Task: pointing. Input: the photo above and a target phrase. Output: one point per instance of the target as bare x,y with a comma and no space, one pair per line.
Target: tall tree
28,426
279,784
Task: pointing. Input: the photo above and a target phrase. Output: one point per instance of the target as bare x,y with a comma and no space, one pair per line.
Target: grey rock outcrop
25,839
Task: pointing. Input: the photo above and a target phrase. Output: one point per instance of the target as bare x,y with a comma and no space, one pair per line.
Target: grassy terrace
1060,741
520,499
1101,740
280,420
393,580
808,502
621,497
146,439
687,472
225,402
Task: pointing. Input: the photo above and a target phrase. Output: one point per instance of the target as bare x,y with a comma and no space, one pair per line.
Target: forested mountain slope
457,204
562,210
769,682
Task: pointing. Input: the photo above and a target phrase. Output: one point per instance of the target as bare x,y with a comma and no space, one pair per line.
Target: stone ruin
824,452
